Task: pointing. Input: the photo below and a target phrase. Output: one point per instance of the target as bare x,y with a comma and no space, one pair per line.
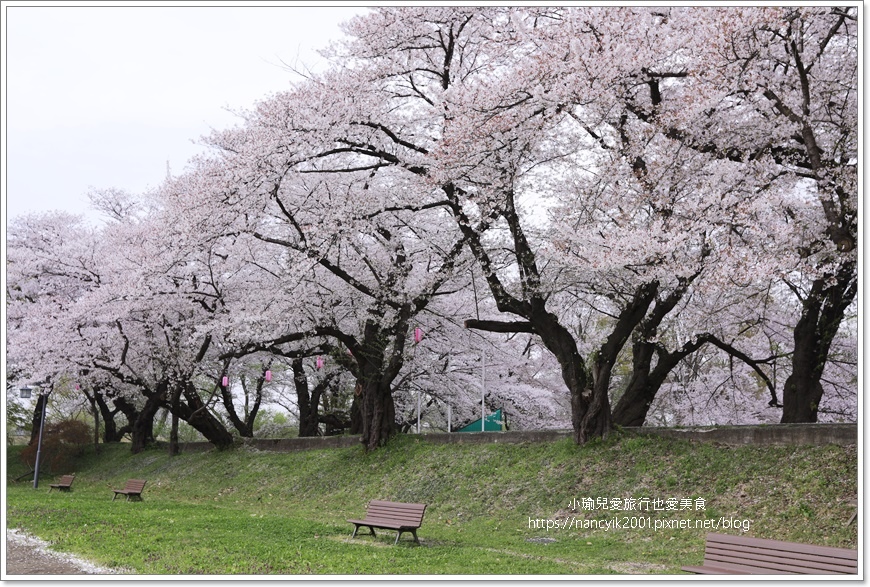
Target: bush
62,443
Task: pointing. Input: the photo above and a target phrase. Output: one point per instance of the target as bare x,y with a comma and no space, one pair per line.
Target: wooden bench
65,483
739,555
391,515
132,489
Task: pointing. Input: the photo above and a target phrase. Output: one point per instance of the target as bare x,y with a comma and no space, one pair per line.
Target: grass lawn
245,512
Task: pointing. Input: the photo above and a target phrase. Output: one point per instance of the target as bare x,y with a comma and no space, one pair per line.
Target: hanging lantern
418,335
225,381
77,387
268,375
319,362
26,391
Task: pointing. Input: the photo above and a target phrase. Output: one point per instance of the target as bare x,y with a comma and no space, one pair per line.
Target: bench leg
357,526
114,496
399,535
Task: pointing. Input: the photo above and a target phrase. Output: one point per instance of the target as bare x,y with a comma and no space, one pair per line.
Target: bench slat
770,567
705,570
760,557
788,547
389,525
727,554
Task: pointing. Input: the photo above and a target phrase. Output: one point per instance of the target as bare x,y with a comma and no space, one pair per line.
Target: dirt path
27,555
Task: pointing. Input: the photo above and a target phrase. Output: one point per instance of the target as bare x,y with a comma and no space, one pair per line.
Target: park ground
533,509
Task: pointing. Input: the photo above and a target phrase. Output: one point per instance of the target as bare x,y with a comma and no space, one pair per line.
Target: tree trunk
632,407
196,413
130,412
590,407
174,449
356,417
630,316
375,369
308,406
96,413
244,429
378,415
110,428
143,427
823,311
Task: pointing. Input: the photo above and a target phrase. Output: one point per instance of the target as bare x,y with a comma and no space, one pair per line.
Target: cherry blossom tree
53,260
778,90
359,258
663,200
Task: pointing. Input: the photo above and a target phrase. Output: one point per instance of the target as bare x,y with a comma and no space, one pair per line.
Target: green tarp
493,423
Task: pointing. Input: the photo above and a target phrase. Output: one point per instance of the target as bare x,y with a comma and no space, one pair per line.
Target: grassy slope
249,512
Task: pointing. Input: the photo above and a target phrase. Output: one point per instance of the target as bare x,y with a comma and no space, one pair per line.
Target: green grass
244,512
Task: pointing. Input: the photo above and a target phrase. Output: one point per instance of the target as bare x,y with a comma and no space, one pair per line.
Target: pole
449,416
44,399
483,394
418,411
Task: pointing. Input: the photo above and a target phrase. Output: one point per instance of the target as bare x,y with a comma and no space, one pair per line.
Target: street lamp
43,394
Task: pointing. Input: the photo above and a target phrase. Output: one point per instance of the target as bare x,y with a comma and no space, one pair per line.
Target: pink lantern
319,362
77,387
225,381
418,335
268,375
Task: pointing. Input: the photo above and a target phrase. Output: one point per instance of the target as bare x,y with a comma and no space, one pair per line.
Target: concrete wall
774,434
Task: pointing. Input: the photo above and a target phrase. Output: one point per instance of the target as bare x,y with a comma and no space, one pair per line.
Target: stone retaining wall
772,434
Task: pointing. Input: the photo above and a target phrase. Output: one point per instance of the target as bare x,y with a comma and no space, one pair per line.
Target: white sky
105,95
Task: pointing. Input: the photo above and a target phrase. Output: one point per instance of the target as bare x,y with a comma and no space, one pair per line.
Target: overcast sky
106,96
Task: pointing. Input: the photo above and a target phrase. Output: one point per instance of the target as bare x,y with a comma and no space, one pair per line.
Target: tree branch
497,326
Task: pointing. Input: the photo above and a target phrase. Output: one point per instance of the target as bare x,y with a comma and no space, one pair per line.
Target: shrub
62,443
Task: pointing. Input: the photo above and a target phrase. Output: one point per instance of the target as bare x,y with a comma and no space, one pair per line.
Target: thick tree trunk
630,316
130,412
823,311
378,415
375,370
110,428
142,432
174,448
633,406
197,414
356,417
309,424
590,407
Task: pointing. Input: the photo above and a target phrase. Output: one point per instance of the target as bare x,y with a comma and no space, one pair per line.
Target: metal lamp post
44,397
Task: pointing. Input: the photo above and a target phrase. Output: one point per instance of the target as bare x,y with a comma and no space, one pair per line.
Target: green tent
495,422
